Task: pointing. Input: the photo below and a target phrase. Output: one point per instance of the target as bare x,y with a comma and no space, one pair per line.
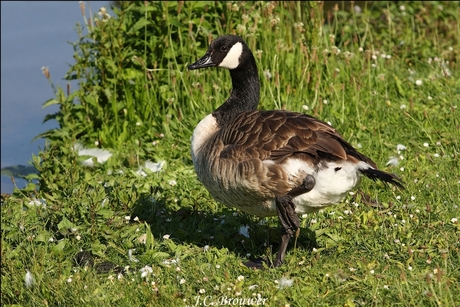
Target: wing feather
278,135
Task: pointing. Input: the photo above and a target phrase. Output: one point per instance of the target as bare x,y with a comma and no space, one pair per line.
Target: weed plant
385,74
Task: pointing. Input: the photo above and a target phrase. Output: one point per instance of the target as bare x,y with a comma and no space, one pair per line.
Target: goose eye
223,48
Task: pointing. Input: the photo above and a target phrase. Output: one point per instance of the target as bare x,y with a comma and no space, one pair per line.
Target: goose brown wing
278,135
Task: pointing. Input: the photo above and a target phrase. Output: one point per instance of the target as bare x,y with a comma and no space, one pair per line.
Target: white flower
205,248
267,74
426,144
305,107
29,279
182,281
240,278
103,14
69,280
37,202
146,270
166,237
172,182
244,230
202,291
454,220
418,82
284,282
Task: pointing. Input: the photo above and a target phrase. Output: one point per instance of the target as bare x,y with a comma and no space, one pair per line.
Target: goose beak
204,62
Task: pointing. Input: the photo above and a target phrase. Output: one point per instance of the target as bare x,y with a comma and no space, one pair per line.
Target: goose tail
376,174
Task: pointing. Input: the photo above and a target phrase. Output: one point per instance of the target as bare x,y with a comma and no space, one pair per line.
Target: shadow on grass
244,235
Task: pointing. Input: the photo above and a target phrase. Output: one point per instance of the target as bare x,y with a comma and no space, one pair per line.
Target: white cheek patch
232,60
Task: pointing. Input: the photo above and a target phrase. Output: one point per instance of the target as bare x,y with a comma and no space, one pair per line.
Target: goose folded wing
278,135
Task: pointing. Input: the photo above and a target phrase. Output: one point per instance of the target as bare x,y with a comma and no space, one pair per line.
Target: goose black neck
245,92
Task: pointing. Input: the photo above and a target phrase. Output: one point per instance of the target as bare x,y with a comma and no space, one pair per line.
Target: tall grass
383,75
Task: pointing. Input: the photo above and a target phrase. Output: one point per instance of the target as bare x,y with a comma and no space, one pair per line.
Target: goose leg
289,219
289,223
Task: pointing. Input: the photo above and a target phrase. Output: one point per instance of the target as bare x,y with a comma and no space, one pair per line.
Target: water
33,34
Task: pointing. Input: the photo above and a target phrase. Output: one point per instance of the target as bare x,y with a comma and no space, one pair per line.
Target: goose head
232,52
227,51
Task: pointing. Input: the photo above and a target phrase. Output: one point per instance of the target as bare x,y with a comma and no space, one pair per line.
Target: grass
384,76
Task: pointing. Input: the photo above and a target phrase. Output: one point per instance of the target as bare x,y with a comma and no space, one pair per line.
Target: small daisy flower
267,74
146,270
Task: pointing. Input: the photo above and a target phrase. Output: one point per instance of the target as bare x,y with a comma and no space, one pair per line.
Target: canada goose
270,163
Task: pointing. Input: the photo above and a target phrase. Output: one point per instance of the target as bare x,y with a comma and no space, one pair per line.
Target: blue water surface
33,35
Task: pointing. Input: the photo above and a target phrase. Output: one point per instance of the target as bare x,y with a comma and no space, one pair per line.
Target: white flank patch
232,60
331,184
205,128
